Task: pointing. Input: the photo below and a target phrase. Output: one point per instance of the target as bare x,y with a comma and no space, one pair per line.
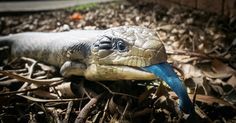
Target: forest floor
202,47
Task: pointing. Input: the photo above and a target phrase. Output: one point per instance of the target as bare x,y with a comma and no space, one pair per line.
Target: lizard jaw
109,72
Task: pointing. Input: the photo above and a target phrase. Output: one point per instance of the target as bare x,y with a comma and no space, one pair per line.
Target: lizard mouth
162,70
117,72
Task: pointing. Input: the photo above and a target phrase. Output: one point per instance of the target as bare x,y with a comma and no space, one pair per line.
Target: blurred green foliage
84,7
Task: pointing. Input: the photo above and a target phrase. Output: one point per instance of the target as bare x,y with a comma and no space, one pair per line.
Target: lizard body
93,53
119,53
51,48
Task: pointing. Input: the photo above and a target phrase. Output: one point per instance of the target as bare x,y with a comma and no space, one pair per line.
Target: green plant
83,7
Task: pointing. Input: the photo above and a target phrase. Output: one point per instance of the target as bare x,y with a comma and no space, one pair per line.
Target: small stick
195,54
27,90
188,53
18,70
81,118
31,68
126,107
51,100
115,93
55,116
24,79
195,95
104,112
67,115
85,91
32,118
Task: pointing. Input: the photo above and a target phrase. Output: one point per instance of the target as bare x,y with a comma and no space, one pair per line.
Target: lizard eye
121,46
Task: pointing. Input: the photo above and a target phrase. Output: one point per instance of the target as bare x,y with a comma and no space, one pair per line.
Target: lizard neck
79,51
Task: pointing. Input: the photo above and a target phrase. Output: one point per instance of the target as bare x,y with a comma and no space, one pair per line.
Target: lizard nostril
104,43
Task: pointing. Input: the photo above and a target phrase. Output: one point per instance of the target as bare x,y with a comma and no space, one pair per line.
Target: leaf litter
201,45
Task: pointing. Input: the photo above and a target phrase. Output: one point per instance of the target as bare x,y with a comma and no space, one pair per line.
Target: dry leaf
230,97
218,70
232,81
191,71
207,99
167,27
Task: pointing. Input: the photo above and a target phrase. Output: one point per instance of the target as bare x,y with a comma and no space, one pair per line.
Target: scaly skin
120,53
95,54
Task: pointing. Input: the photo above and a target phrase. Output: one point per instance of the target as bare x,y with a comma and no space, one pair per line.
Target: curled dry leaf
218,70
230,96
207,99
167,27
42,93
191,71
232,81
65,90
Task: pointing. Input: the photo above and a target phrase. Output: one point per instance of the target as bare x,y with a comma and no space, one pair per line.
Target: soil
202,47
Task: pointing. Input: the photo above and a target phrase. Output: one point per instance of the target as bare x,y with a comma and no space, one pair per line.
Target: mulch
201,46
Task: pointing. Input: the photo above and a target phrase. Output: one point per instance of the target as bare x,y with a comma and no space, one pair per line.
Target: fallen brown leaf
207,99
232,81
218,70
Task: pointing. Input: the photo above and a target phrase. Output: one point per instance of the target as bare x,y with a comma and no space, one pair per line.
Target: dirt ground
202,47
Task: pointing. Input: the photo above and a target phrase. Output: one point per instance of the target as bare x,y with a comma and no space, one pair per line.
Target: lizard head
134,53
120,52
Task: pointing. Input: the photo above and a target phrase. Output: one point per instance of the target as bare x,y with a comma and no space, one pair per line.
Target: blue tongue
165,72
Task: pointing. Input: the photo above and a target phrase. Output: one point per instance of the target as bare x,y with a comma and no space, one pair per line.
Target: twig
31,68
55,116
179,70
42,66
104,112
81,102
81,118
195,95
24,79
51,100
23,70
57,93
85,91
4,78
123,114
28,90
194,54
68,111
116,93
188,53
96,117
32,118
22,88
28,59
8,82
